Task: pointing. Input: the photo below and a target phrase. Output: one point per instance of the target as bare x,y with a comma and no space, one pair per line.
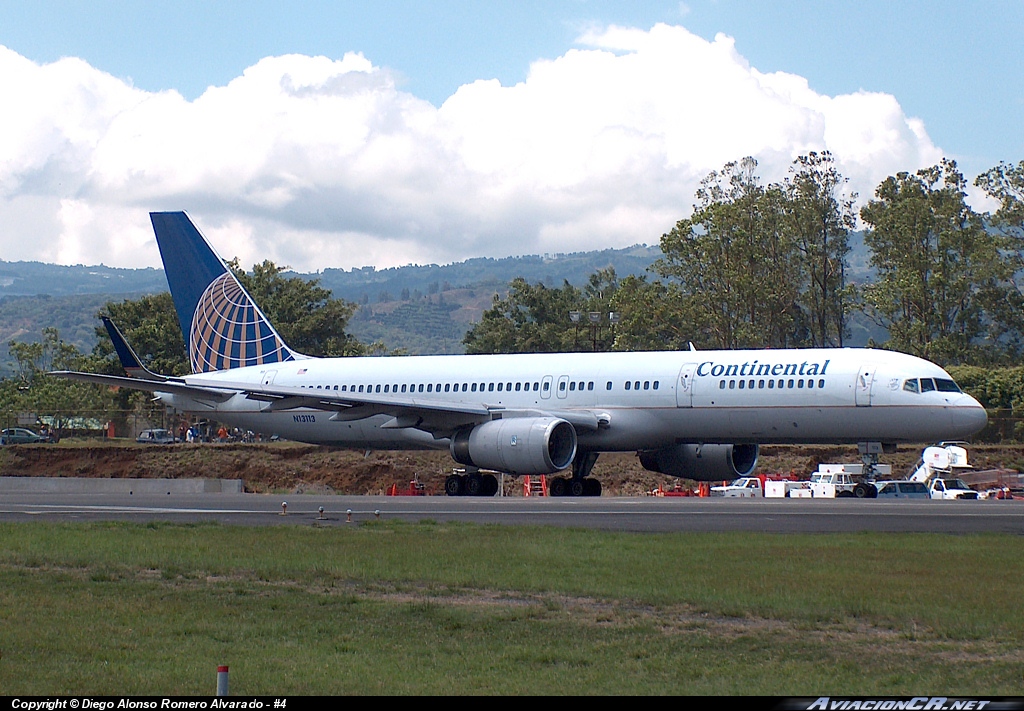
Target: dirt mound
298,468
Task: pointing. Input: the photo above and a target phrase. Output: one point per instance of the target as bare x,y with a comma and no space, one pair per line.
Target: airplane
694,414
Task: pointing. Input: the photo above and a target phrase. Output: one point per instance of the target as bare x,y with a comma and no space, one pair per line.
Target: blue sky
955,66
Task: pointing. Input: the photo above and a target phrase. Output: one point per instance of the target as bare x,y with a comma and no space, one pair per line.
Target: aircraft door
684,388
268,377
562,389
863,387
545,387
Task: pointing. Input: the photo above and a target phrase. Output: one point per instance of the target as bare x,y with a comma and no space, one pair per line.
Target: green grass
451,608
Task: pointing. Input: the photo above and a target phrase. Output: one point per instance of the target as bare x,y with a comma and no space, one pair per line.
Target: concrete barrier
71,485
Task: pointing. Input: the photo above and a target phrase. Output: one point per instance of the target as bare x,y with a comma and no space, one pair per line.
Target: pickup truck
761,486
950,489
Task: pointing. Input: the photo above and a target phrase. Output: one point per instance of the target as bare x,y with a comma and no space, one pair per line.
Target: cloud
317,162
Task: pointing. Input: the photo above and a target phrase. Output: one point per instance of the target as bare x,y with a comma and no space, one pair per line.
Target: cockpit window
911,386
945,385
927,385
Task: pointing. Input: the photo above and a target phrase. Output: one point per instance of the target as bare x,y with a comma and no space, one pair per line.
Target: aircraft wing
431,415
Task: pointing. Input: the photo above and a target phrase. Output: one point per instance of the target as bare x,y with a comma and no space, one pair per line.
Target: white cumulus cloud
316,162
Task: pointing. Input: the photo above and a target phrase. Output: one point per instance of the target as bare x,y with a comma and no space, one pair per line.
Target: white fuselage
647,400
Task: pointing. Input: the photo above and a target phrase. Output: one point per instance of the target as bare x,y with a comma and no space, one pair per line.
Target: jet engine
517,445
702,462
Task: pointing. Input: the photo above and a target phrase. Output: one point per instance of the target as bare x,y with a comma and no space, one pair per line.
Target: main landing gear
574,487
581,483
474,484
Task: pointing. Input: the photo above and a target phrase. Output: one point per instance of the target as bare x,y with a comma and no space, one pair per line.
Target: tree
303,312
821,218
1005,183
151,326
734,263
650,318
940,273
534,318
37,392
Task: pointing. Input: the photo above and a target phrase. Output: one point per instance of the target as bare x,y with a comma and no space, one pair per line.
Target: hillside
422,309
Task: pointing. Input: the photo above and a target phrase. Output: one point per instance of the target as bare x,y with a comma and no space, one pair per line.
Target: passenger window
742,383
430,387
628,385
561,386
790,383
800,383
647,385
385,388
508,387
732,384
656,384
447,387
636,385
608,386
535,386
810,383
572,387
499,386
721,385
377,389
771,384
590,385
490,387
464,387
821,383
517,386
473,388
403,388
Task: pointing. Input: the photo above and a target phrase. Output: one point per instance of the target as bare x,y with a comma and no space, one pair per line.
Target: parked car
20,435
156,437
902,490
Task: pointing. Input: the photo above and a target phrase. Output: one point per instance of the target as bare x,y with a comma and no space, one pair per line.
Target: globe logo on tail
228,331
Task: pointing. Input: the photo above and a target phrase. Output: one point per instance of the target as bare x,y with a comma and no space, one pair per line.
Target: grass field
428,608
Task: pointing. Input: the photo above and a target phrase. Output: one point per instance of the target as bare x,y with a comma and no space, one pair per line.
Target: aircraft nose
968,416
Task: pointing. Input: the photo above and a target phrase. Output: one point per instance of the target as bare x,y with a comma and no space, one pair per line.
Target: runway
639,514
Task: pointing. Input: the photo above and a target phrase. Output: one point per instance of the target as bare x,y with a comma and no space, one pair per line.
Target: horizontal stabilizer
131,362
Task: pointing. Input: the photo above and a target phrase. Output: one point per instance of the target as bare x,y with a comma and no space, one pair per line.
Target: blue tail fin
222,325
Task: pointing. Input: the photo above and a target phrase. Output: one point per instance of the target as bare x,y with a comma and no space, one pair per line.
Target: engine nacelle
702,462
517,445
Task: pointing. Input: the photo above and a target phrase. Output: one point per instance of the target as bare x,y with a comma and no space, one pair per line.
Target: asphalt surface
642,514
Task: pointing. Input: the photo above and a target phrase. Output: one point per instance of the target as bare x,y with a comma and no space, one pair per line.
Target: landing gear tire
558,487
577,487
474,485
490,485
454,486
865,491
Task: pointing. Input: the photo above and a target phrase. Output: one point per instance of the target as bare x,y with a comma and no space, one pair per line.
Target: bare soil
300,468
